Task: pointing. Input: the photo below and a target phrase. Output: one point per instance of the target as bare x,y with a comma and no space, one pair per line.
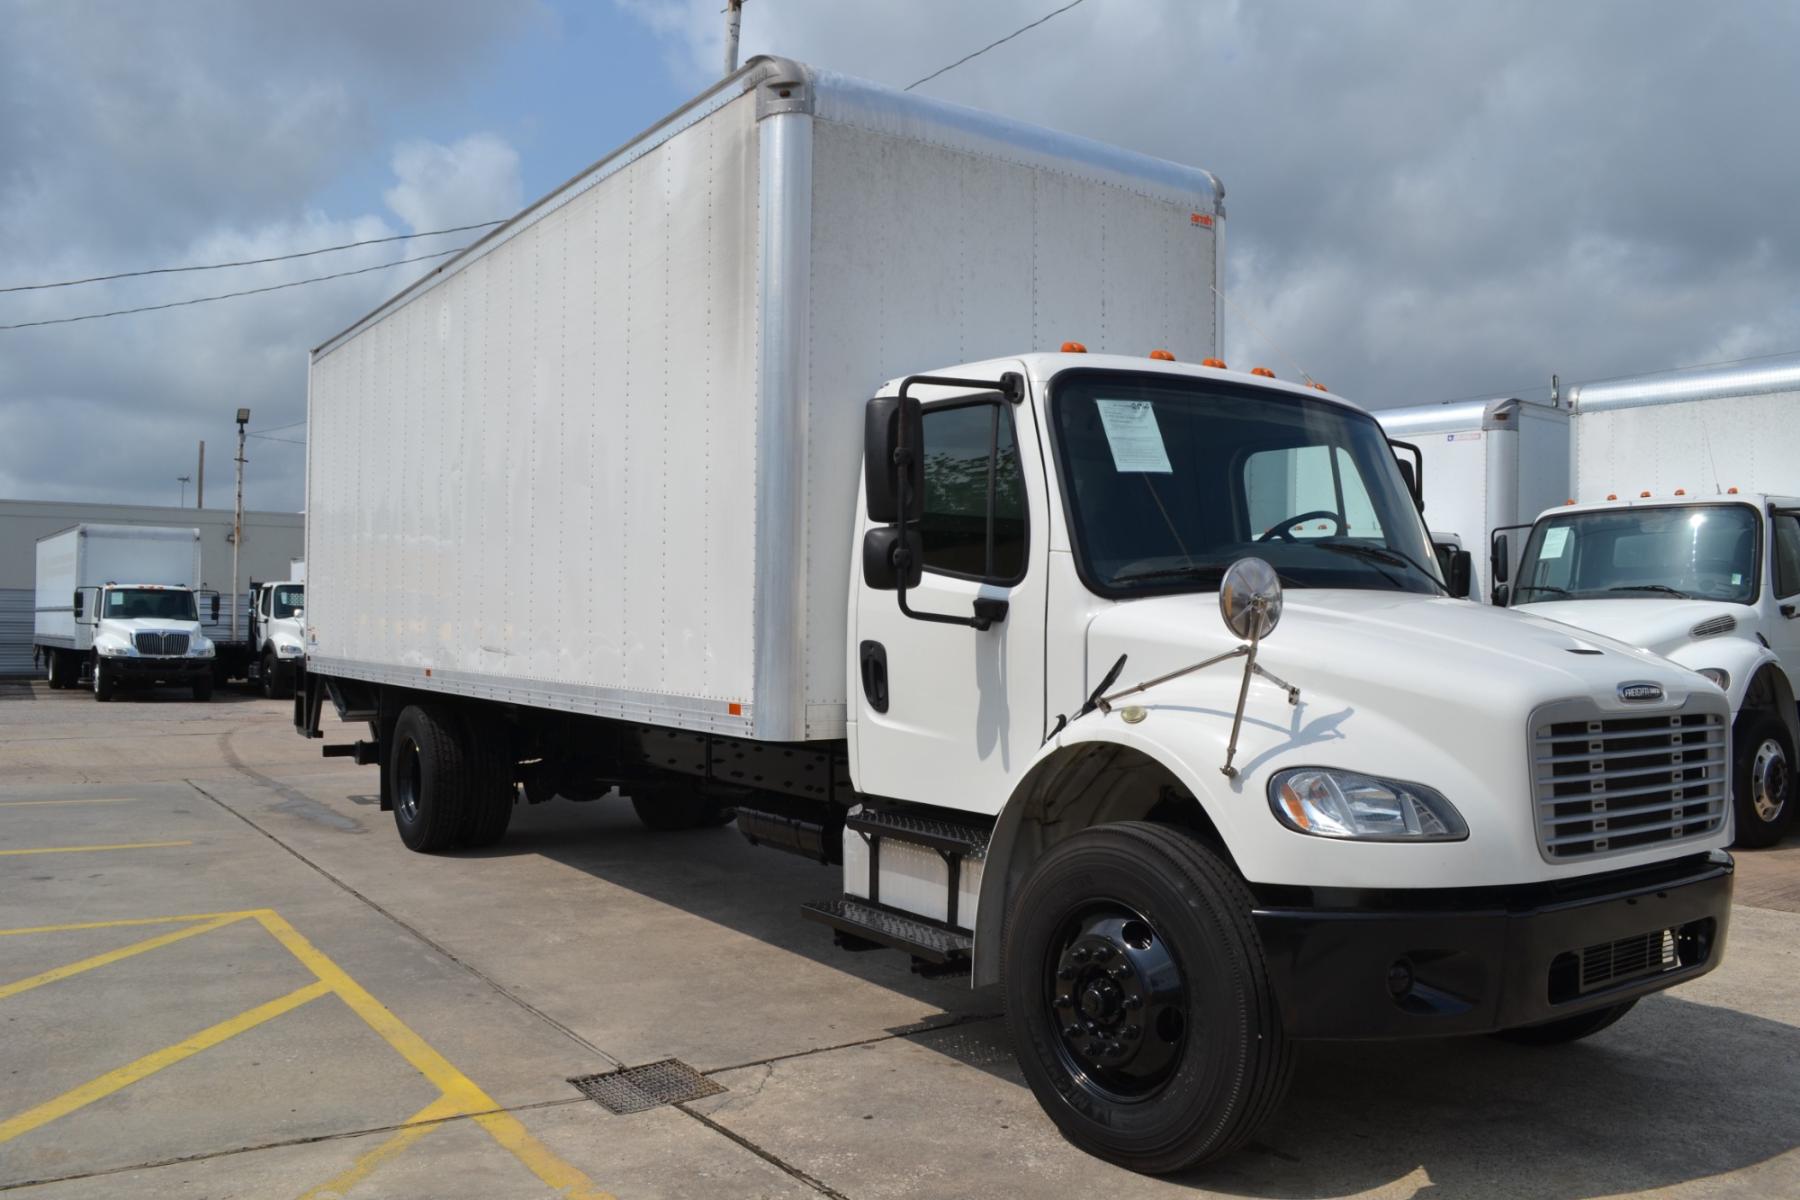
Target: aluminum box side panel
536,474
1750,442
926,255
58,572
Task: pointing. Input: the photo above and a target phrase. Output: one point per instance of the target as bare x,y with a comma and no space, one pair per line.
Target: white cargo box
92,555
606,459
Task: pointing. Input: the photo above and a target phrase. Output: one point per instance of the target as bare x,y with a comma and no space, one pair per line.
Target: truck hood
126,626
1656,625
1370,648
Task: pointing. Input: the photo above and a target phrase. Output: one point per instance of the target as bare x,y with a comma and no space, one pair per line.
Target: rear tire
1762,778
673,812
450,789
105,685
1138,1001
203,687
1569,1029
57,671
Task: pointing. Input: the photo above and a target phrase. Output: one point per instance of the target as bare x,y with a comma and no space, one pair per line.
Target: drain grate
636,1089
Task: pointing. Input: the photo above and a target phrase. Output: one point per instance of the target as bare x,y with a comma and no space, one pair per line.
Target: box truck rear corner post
1117,680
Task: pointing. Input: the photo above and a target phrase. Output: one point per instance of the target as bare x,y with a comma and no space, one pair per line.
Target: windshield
289,599
164,605
1705,551
1170,480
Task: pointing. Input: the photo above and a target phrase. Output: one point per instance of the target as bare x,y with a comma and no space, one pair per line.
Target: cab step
921,939
936,833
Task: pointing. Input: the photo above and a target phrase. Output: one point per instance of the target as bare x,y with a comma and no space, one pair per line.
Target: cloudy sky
1427,201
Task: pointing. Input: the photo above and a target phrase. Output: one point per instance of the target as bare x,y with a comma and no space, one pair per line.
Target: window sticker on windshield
1554,541
1736,579
1133,436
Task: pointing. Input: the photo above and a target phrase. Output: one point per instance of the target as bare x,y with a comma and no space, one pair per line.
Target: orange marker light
1263,371
1320,386
1643,495
1681,491
1213,362
735,709
1731,491
1162,356
1074,348
1570,500
1612,495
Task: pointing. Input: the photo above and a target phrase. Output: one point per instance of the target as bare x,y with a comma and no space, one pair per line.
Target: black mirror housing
1501,595
1500,560
884,549
215,608
882,421
78,599
1462,573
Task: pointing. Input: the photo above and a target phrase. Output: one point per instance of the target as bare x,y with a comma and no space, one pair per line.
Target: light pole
237,523
733,15
184,480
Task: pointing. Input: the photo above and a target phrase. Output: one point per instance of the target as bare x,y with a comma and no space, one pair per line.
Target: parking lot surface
222,976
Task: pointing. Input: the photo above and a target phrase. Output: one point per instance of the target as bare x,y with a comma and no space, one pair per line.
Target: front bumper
140,669
1461,961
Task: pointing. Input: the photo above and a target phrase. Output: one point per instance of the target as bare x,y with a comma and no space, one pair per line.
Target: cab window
1787,554
975,523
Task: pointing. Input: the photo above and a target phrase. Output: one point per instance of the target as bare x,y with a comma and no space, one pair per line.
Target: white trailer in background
742,473
1686,542
1488,465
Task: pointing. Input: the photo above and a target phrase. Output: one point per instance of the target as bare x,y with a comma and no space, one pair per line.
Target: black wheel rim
1117,1001
409,782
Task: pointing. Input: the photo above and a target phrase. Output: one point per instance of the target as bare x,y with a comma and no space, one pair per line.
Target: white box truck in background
606,502
1487,465
118,604
1686,541
276,634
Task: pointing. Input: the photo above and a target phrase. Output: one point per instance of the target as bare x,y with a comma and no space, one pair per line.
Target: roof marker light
1643,495
1612,495
1162,356
1320,386
1263,371
1681,491
1213,362
1731,491
1570,500
1073,348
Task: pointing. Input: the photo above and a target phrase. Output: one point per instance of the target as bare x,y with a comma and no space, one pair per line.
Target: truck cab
1709,582
145,634
277,634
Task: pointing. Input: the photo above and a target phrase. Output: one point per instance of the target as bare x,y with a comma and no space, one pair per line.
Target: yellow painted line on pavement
84,849
119,924
150,1064
457,1088
36,803
113,956
416,1127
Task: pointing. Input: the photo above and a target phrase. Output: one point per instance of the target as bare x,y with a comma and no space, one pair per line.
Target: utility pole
237,523
184,480
200,488
733,14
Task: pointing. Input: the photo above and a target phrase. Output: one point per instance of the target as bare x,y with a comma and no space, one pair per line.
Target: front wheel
1762,779
203,687
105,683
277,679
1138,1001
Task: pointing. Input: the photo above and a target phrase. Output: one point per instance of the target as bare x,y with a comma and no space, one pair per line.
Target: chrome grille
161,643
1607,785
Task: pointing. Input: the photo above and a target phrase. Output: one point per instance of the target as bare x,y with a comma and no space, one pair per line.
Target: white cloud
474,179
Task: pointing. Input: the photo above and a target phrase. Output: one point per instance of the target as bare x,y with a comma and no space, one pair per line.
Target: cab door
946,714
1784,635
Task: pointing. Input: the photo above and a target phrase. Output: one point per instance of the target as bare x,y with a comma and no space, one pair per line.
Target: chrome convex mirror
1250,603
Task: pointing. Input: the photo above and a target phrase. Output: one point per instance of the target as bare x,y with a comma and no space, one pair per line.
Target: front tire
1762,779
105,683
1138,1001
203,687
277,680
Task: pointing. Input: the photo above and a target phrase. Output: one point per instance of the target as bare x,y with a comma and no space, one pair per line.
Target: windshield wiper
1544,587
1384,554
1184,571
1650,587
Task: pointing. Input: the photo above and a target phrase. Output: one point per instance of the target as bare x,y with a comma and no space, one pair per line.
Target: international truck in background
1685,540
1486,465
119,605
658,523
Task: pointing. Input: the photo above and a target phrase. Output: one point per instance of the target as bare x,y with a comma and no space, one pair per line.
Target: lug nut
1079,954
1120,972
1065,1001
1065,973
1133,1032
1102,953
1071,1031
1134,1002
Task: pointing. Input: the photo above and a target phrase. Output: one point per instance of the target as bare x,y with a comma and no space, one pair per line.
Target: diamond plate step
919,938
970,841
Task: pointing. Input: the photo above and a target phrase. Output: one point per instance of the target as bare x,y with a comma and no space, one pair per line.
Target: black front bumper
159,670
1462,961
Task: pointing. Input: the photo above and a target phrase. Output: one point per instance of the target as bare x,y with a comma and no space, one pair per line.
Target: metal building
271,539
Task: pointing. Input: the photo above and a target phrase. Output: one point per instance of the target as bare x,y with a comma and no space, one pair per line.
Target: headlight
1718,675
1343,804
287,649
201,649
115,651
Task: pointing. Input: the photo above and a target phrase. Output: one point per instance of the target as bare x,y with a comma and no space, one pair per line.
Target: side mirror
1500,595
82,616
78,599
882,426
215,608
1462,572
1413,472
1500,558
893,558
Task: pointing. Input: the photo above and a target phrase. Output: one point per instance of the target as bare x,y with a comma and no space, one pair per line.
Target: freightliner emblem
1640,693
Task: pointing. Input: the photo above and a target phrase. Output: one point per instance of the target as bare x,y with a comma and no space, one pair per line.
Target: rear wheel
1138,1001
105,684
1569,1029
447,792
57,670
1762,783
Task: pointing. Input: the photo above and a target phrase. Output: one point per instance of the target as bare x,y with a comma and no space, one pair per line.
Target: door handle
875,675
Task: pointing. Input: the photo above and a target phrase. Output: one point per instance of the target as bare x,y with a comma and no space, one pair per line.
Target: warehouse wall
270,540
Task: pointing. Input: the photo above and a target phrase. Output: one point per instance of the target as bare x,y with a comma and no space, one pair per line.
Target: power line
246,262
274,287
977,54
284,441
277,428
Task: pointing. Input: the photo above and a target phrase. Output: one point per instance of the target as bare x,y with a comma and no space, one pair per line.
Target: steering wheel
1282,532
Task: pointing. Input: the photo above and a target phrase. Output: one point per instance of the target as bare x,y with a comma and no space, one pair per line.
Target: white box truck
1486,465
673,484
1685,540
276,634
119,605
